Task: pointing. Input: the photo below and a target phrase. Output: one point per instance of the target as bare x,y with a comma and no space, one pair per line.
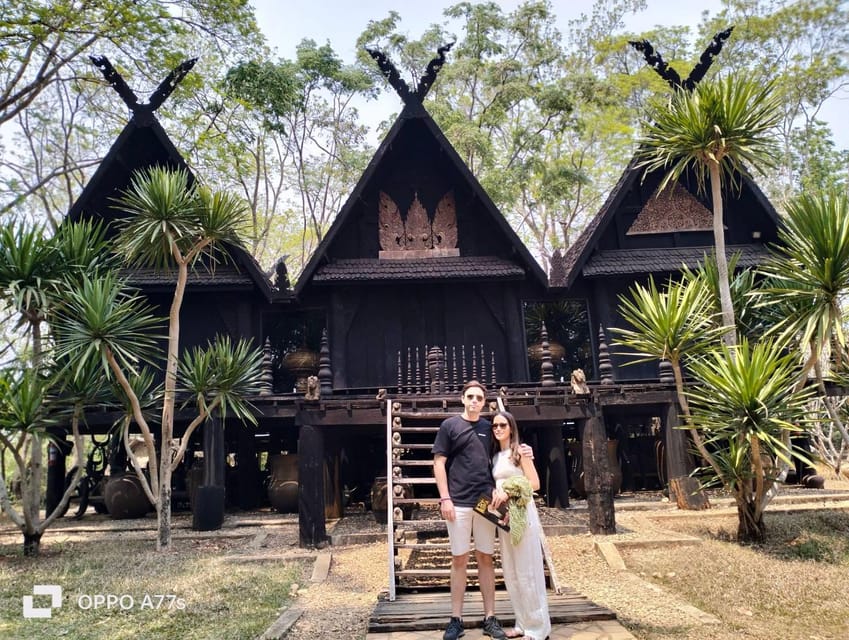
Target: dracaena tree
809,276
37,396
747,405
172,224
716,131
674,324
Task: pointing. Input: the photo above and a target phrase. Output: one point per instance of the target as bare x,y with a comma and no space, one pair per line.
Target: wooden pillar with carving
597,477
208,507
684,490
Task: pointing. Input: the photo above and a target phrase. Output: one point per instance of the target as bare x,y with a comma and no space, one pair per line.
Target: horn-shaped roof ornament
390,72
166,87
656,61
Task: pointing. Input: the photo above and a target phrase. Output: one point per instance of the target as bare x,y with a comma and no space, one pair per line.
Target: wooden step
415,429
429,611
412,463
406,480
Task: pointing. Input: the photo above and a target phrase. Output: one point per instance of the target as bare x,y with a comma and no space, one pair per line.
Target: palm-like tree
747,404
715,131
172,224
673,324
35,271
809,272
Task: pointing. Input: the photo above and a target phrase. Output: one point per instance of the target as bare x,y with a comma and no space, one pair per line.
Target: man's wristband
441,500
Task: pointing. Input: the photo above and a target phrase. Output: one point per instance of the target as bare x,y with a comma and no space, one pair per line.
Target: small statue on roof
280,273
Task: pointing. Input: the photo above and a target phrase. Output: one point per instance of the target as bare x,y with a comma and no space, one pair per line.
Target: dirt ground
648,596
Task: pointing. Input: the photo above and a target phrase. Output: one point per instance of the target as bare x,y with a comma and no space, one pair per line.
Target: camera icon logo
52,590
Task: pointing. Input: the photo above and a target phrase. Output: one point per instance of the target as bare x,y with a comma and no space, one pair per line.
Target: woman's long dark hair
515,455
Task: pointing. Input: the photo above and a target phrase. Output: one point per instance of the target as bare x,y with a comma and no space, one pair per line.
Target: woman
522,562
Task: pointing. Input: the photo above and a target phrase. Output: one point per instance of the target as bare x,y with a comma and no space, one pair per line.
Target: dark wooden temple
419,285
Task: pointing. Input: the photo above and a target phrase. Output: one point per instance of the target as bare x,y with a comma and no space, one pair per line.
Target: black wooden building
420,284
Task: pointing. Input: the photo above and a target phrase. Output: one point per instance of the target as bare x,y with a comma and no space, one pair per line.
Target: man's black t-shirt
467,446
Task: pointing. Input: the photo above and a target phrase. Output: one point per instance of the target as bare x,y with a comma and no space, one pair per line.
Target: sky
341,21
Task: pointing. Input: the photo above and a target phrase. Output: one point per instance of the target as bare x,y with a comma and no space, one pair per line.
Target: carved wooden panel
418,227
672,210
445,223
391,227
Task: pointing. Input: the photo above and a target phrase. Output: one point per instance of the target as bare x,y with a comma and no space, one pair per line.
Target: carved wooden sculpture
417,233
445,223
418,227
165,88
390,72
391,227
656,62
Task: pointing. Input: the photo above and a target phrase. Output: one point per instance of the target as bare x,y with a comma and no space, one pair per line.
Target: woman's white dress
522,564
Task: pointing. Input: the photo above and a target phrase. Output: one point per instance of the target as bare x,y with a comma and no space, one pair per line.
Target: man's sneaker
454,630
492,628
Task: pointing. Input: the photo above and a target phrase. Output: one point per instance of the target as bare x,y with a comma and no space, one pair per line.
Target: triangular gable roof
143,143
415,110
579,252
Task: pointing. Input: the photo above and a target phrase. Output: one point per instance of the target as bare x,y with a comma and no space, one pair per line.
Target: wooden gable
640,232
225,300
420,256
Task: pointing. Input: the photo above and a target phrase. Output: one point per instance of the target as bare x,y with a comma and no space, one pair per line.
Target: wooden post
551,458
312,531
597,477
683,489
247,461
208,508
55,482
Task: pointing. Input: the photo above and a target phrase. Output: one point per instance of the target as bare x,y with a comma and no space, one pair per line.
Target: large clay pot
557,350
379,504
283,487
124,497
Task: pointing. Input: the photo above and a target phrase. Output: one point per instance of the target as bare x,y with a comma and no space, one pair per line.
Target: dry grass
796,587
220,599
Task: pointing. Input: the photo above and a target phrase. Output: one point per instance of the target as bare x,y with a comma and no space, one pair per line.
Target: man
461,466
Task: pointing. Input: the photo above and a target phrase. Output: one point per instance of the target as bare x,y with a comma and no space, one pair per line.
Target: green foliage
746,286
28,270
272,88
810,268
102,316
24,401
746,397
225,371
671,324
727,122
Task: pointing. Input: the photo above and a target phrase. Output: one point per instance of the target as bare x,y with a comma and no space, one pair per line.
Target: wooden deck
431,610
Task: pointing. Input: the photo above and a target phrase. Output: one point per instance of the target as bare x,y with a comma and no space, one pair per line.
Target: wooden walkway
431,610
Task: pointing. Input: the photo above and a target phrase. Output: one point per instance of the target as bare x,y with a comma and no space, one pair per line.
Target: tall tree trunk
725,303
163,540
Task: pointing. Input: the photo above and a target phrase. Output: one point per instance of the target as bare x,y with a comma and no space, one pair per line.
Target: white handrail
390,528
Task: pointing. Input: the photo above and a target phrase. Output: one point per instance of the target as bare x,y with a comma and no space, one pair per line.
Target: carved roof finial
165,88
390,72
656,61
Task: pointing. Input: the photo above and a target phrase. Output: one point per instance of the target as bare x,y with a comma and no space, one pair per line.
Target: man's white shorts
466,524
